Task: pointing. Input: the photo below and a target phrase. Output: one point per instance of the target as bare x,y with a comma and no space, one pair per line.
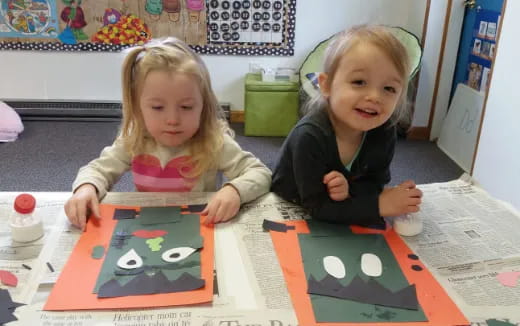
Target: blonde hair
171,55
377,35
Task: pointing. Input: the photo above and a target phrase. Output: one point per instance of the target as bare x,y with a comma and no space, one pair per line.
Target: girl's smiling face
171,104
365,90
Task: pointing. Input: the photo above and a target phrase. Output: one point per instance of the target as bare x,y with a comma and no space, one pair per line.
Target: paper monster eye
334,266
130,260
177,254
371,265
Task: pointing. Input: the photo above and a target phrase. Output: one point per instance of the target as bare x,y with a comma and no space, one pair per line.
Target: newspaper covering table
468,239
234,302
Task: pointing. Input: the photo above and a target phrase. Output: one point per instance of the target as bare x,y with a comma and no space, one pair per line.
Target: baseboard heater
67,110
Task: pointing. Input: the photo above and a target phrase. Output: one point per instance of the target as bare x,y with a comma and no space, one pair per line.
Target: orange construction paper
73,290
436,304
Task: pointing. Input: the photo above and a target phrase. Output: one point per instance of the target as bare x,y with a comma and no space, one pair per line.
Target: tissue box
271,108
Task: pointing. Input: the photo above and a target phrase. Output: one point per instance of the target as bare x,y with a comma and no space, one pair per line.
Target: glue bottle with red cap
25,223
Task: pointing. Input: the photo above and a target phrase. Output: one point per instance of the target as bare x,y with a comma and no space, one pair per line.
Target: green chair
271,108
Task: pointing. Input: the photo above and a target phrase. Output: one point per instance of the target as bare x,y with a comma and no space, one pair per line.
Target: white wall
430,61
497,165
96,76
448,66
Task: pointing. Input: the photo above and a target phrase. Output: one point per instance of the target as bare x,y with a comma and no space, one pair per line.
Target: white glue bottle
25,225
408,225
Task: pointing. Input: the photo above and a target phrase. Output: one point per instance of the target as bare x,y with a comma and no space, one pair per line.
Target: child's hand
82,200
403,199
337,185
223,206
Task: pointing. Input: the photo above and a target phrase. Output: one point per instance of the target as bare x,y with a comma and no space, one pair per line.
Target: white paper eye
177,254
371,265
130,260
334,266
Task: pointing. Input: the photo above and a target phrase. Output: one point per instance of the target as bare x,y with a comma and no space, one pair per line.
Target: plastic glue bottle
25,224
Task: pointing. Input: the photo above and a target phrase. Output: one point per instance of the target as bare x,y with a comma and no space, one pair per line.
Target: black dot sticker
244,25
213,4
225,5
236,5
246,4
225,15
257,16
266,4
256,27
226,37
413,256
277,15
245,15
224,27
266,15
266,27
235,36
214,15
417,268
213,27
276,27
235,14
215,36
277,5
257,4
235,26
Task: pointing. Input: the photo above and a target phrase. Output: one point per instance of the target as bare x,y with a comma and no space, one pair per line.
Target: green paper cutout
349,248
494,322
98,252
320,229
155,243
159,215
182,233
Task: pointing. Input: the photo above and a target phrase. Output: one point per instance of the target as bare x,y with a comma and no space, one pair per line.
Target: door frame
499,32
453,22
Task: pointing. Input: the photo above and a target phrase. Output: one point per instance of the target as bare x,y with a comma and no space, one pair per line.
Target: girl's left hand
223,206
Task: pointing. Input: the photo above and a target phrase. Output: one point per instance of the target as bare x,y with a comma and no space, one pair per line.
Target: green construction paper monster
150,257
349,248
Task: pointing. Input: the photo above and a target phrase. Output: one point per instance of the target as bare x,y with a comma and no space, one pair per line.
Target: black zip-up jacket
311,151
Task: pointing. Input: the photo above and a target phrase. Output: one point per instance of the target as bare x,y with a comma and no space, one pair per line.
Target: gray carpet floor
48,154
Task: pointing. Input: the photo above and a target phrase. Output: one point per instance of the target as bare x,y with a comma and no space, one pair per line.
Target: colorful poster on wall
241,27
482,49
28,19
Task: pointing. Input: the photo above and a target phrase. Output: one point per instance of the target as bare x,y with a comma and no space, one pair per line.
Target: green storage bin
271,108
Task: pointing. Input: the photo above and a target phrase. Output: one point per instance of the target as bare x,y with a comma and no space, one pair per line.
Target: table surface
240,290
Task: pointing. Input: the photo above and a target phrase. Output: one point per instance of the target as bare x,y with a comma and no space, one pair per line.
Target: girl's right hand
337,185
403,199
83,199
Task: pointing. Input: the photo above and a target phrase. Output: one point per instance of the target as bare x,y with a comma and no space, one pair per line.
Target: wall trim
418,133
237,116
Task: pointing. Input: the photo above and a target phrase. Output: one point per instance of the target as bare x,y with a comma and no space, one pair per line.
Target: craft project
162,257
7,307
323,268
8,278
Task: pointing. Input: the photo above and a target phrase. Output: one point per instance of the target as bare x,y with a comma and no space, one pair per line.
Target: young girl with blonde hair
172,138
336,160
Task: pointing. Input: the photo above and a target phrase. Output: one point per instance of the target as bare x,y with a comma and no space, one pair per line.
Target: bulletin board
482,52
234,27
